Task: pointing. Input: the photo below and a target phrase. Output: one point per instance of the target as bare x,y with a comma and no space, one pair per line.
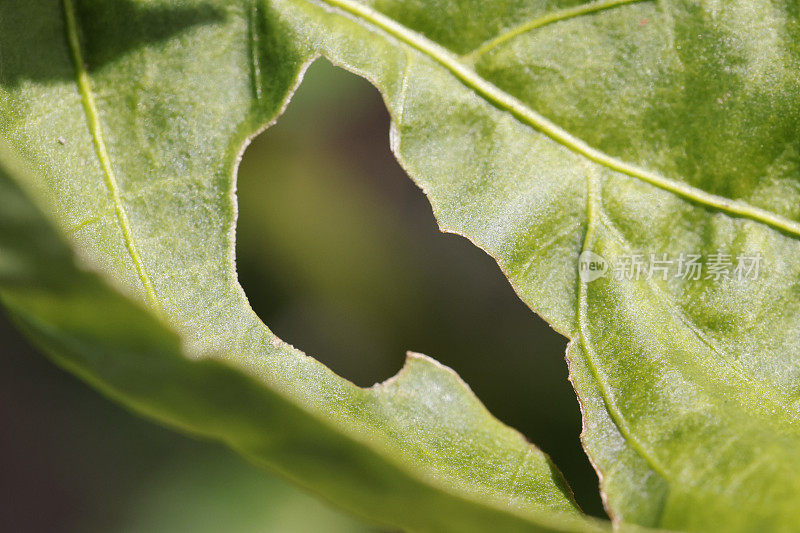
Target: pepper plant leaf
632,165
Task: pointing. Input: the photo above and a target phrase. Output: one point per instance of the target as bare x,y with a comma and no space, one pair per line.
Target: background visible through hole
340,255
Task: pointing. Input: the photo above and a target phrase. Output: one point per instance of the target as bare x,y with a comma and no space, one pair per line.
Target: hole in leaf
340,255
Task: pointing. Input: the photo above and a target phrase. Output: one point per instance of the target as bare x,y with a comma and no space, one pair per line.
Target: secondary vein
617,417
549,18
255,64
764,393
526,115
96,131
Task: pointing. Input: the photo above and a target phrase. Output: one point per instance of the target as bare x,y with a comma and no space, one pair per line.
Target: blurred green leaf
204,493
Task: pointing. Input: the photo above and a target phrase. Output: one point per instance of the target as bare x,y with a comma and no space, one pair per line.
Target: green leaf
117,184
420,439
539,130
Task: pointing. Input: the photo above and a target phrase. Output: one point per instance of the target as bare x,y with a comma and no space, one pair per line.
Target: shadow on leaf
33,40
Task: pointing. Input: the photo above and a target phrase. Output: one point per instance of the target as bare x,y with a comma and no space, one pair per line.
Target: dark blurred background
340,255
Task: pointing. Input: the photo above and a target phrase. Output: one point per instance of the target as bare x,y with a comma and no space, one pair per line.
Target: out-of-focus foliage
73,462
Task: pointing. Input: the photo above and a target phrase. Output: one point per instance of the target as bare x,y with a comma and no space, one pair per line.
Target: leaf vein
96,131
255,63
544,20
709,342
584,340
501,99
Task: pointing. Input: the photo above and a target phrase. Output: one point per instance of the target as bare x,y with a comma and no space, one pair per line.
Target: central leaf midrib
503,100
